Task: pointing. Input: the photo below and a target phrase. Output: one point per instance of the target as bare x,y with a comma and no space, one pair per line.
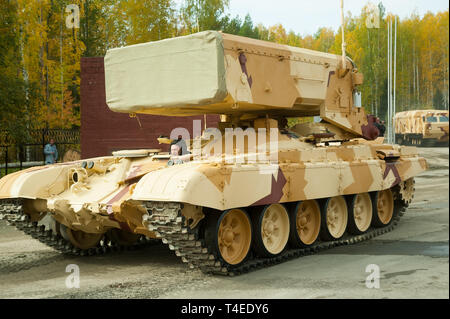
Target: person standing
51,152
382,128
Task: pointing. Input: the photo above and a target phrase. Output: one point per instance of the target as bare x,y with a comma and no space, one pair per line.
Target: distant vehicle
422,128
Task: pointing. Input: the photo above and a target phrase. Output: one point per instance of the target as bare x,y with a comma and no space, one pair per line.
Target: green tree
40,56
438,100
92,26
15,112
324,39
201,15
146,20
232,26
247,29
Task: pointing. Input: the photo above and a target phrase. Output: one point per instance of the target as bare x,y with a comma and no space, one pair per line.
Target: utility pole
395,77
430,85
389,99
61,62
414,71
445,85
388,80
343,40
447,89
392,68
418,81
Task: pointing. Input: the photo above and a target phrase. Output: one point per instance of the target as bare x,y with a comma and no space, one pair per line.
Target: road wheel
359,213
229,235
79,238
383,208
305,223
334,218
271,230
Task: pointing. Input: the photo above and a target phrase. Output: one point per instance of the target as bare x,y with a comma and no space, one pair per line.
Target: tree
438,100
147,20
40,56
93,26
16,113
247,29
323,39
277,33
201,15
232,26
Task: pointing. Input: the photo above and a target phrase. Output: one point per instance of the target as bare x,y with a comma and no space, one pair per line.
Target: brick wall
104,131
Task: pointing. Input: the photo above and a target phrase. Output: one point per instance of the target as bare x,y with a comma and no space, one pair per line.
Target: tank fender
37,182
207,185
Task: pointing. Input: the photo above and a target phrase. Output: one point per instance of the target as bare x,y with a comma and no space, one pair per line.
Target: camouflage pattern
141,192
293,81
109,194
303,172
84,195
422,127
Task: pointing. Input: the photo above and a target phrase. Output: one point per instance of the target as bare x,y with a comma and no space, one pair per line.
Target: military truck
422,128
248,194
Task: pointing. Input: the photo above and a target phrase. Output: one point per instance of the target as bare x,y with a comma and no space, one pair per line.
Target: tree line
40,55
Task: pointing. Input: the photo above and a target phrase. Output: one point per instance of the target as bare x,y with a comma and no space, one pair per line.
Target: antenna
343,39
198,12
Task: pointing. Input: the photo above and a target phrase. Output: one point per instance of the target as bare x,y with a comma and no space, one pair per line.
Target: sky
307,16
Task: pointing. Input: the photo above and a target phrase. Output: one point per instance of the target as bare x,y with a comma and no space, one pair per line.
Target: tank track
166,220
11,210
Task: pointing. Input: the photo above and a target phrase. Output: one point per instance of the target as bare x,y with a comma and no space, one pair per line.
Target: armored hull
223,214
229,218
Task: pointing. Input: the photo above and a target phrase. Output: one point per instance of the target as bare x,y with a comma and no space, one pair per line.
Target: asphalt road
412,262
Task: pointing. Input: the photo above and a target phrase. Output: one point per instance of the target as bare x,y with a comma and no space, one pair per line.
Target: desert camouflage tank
247,194
422,127
54,203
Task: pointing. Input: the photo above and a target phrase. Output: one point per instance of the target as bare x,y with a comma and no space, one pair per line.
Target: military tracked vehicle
422,127
53,203
242,196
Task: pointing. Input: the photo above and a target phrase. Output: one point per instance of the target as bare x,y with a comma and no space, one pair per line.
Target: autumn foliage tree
40,54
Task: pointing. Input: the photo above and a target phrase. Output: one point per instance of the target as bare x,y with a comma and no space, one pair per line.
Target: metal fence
16,156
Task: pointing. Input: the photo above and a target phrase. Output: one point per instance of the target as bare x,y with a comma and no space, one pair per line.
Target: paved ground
412,260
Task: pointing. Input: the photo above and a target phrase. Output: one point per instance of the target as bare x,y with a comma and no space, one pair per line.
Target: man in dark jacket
381,128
